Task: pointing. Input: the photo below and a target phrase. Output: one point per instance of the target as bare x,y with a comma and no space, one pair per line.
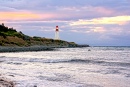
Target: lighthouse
57,33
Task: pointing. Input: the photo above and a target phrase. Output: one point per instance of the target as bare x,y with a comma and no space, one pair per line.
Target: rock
6,83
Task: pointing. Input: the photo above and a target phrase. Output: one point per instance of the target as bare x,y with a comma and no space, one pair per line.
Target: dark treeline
6,29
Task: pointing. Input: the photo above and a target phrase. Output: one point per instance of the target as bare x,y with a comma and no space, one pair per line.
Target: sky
93,22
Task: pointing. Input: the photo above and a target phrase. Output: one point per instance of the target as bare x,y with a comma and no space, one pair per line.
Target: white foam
51,69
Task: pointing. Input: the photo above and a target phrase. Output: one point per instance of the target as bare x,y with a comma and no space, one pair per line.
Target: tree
3,24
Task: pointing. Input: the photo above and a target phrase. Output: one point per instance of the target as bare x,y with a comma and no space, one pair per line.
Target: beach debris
89,50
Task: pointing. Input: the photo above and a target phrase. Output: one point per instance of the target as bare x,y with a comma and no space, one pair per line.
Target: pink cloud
99,29
5,16
103,10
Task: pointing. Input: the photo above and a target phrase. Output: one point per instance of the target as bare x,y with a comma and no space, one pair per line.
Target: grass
10,37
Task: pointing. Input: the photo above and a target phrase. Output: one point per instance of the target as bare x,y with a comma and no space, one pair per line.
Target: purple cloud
39,18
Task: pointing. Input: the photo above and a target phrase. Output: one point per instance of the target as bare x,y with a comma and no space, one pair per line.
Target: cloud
119,20
24,16
81,21
99,29
60,10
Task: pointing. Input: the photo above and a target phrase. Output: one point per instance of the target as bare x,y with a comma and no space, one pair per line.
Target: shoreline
34,48
25,49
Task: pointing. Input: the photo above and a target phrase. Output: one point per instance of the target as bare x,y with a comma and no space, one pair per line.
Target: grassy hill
10,37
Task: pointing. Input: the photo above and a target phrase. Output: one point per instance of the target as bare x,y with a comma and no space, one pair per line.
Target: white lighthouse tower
57,33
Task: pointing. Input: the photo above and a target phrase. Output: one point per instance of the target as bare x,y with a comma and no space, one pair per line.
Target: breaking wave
76,61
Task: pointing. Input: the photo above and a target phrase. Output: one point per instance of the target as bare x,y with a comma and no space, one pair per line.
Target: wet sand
24,49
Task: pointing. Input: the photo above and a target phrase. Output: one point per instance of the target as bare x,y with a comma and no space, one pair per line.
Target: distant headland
11,38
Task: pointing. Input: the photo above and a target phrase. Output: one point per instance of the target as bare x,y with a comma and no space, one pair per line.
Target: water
68,67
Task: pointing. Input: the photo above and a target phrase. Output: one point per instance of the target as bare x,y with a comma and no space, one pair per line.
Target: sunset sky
93,22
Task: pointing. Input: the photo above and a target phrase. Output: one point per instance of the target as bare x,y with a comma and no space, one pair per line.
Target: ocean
68,67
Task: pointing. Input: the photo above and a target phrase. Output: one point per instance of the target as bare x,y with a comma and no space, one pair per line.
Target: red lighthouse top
57,28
